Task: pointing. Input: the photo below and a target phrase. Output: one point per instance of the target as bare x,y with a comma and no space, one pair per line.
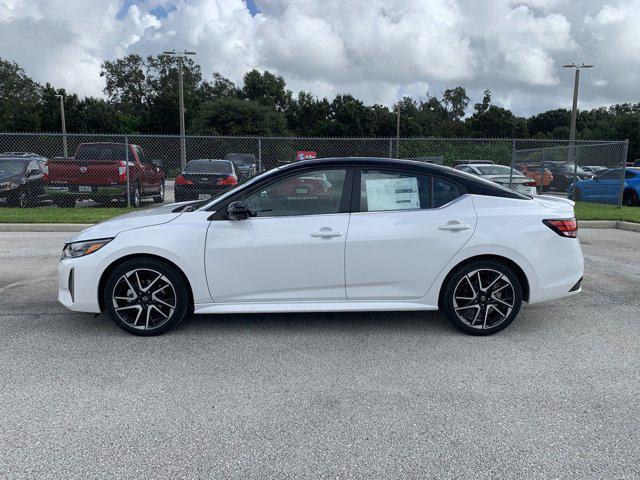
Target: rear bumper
88,191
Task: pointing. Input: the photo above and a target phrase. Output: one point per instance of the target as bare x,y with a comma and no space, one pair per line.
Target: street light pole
574,114
183,147
574,108
64,126
398,133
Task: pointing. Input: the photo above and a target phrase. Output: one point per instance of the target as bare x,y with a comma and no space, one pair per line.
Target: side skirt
292,307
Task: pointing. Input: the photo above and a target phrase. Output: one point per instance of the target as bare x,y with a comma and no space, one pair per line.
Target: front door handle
455,227
327,233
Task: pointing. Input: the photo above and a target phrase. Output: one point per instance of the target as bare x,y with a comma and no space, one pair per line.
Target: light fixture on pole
64,126
180,56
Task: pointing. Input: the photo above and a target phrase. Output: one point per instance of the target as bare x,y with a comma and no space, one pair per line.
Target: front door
292,249
408,228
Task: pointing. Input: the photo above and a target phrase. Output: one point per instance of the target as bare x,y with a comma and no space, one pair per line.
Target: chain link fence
102,170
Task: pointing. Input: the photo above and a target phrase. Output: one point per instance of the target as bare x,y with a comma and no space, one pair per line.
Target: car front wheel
146,297
482,297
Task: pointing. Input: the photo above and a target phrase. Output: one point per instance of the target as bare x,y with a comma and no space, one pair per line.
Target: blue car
605,187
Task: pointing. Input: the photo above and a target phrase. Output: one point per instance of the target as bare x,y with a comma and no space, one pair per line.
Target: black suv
21,182
245,164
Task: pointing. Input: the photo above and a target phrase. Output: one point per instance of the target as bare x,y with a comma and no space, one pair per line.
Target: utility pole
398,133
183,147
64,126
574,108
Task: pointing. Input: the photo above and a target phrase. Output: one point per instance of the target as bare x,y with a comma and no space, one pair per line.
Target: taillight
122,172
230,180
530,184
45,172
564,228
180,180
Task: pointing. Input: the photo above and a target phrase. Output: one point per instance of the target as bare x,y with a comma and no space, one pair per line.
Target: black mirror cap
238,211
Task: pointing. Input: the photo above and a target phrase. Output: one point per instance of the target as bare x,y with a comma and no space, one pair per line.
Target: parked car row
108,172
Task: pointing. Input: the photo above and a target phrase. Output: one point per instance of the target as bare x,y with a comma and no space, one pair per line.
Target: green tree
19,99
232,116
267,89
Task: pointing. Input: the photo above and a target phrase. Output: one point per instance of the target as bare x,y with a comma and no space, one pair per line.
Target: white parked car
503,175
353,234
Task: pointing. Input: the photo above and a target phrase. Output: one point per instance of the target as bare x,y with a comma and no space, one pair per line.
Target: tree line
141,97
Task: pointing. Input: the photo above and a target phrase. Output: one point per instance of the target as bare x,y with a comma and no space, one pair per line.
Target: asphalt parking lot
356,395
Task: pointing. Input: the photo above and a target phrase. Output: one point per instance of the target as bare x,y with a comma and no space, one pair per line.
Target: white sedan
502,175
343,234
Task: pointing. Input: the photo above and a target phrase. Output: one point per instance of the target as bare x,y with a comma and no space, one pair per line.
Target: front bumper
78,284
85,191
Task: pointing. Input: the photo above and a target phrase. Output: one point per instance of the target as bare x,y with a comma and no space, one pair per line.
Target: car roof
209,160
472,183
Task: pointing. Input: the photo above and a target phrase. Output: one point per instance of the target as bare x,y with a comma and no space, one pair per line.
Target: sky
377,50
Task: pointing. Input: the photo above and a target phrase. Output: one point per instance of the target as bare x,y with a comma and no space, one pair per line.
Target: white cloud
378,50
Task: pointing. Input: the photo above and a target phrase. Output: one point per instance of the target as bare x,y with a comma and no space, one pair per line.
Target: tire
578,195
160,198
156,288
64,202
630,199
20,199
466,308
134,197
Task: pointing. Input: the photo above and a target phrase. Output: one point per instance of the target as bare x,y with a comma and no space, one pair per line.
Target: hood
129,221
550,201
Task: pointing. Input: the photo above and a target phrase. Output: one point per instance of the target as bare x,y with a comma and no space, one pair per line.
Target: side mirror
238,211
157,162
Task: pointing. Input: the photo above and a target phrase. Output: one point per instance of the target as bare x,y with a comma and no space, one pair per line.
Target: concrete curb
76,227
619,225
43,227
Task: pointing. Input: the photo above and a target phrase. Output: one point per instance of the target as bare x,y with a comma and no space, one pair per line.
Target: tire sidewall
183,301
456,276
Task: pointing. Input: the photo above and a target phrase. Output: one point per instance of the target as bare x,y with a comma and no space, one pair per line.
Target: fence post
391,148
126,168
259,155
575,152
513,160
623,171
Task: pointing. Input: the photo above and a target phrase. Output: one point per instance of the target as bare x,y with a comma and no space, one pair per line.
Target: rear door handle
455,227
327,233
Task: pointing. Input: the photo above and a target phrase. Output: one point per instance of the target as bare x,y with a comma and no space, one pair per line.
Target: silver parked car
503,175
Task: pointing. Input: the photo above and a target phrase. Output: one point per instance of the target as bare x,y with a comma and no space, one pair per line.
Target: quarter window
444,192
309,193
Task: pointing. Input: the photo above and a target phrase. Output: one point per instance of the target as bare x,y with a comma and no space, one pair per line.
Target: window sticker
392,194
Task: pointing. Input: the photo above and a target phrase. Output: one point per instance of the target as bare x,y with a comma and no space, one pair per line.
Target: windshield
11,166
208,166
496,170
101,152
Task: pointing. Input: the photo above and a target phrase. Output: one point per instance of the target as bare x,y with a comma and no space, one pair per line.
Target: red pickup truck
98,171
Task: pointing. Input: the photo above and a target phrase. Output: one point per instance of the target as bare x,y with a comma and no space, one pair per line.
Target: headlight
80,249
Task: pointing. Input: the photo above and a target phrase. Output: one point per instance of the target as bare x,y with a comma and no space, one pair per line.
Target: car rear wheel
630,199
482,298
146,297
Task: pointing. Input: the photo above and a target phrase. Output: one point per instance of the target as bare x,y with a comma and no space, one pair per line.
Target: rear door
406,229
